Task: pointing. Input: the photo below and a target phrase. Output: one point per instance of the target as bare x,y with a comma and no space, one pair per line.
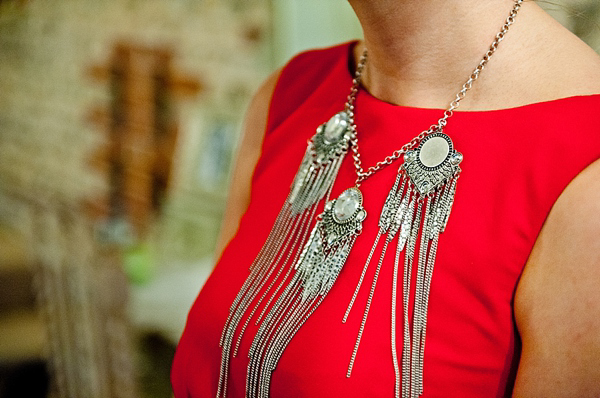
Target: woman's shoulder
557,301
325,54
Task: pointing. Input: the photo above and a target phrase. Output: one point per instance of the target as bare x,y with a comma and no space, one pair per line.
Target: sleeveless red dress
516,163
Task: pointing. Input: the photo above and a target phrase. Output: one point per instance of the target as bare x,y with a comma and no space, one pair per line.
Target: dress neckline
370,99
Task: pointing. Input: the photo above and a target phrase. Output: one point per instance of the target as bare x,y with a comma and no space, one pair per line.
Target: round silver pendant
335,128
343,217
434,150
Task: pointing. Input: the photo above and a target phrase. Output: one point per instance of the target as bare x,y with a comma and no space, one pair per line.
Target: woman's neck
422,51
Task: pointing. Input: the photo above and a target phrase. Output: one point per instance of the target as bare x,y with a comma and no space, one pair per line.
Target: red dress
516,163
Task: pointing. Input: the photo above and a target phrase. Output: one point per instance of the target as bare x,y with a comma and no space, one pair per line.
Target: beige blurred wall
45,94
302,24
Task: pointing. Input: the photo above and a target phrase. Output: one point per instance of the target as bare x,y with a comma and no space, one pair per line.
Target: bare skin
418,51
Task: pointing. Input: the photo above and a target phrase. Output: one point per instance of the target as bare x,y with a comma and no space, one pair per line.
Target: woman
513,306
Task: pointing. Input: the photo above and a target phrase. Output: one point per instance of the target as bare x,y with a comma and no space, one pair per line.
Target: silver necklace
297,265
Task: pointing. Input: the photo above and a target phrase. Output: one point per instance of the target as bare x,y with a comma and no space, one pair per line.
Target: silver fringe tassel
273,265
317,269
418,205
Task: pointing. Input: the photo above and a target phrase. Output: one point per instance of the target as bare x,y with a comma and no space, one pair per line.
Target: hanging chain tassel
316,270
384,229
417,209
272,266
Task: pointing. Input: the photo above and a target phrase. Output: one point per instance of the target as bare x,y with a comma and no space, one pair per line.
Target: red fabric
516,163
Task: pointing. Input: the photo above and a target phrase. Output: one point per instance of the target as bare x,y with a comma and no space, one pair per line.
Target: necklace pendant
321,162
333,236
416,210
317,268
277,268
432,170
433,163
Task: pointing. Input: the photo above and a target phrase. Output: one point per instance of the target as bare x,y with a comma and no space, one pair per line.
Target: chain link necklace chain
362,174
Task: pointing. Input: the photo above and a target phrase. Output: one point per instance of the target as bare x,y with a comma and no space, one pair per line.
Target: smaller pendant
332,138
336,230
335,128
321,162
347,205
343,217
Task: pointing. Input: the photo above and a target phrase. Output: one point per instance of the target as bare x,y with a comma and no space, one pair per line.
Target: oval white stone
434,151
346,205
335,128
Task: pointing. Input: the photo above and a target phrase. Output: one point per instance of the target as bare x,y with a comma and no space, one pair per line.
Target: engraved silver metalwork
433,163
414,214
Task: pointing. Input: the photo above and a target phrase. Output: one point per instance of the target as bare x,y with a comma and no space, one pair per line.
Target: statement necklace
297,266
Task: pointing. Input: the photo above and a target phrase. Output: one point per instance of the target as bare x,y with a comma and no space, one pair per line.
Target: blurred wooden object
73,255
140,136
141,131
21,329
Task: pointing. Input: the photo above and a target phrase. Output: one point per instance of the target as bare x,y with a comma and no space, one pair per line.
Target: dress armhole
298,78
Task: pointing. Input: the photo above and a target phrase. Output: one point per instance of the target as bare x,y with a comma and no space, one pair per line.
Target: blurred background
119,121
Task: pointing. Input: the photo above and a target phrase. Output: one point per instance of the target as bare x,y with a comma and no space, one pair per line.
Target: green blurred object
139,263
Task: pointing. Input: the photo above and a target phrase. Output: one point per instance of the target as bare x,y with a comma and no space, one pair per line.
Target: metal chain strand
361,174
